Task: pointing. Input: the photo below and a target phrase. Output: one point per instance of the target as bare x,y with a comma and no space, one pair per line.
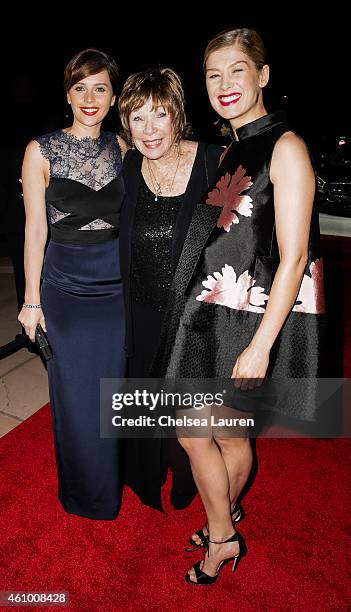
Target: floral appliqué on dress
311,295
227,194
225,289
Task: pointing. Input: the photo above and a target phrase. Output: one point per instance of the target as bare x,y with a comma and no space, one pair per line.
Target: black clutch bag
42,343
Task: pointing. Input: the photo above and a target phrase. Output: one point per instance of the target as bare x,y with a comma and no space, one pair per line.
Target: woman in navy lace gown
72,182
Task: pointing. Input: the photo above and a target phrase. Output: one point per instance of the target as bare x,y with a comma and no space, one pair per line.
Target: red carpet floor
297,525
297,529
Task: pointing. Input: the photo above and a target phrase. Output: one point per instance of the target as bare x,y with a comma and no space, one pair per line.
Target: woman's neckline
83,139
162,197
189,180
262,124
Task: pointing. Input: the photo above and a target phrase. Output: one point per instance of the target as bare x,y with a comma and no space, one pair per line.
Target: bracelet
31,305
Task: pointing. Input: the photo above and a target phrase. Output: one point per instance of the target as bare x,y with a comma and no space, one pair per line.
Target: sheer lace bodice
91,161
86,189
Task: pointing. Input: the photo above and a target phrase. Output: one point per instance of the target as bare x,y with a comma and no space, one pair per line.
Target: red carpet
297,525
297,529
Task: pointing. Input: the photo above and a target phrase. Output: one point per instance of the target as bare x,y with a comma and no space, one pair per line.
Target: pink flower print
227,194
311,295
226,290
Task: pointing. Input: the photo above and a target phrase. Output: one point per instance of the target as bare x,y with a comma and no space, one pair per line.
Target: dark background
309,60
308,50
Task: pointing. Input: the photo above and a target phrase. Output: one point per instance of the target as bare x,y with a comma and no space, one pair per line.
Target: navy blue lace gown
82,301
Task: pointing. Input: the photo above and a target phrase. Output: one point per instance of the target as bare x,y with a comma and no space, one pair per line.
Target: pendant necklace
157,185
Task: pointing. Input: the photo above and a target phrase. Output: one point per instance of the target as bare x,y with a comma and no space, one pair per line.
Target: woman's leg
237,456
234,444
211,477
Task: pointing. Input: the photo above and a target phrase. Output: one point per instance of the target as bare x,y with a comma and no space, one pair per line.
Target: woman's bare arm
34,179
294,187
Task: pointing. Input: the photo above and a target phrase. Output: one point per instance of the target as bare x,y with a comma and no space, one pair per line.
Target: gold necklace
157,185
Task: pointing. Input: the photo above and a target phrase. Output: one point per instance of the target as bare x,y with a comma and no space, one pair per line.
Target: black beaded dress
151,273
83,305
152,237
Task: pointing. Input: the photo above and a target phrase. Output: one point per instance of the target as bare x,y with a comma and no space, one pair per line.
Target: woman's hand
29,319
250,368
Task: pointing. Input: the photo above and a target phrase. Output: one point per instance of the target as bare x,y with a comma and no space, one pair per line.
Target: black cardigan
202,175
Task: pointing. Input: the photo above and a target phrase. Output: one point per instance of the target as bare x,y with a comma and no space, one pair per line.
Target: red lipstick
229,99
90,111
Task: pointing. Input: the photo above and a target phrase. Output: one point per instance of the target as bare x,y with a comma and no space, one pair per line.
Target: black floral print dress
222,283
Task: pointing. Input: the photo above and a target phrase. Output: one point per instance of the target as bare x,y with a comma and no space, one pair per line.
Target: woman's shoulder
116,146
41,146
188,145
290,145
211,151
200,149
132,162
211,154
290,157
290,139
205,159
114,137
47,143
49,136
193,145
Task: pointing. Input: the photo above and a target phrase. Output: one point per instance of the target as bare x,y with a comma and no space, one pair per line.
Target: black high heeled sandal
202,577
203,537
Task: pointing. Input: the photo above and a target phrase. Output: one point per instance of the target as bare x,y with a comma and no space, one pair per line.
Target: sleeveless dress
225,272
82,300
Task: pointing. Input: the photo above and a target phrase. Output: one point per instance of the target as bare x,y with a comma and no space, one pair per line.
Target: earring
133,145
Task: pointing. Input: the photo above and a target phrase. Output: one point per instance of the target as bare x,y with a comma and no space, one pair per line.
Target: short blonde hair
164,87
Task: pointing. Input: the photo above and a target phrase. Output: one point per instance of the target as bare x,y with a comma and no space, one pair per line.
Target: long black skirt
148,459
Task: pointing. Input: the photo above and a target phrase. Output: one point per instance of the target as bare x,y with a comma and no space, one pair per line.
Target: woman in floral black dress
247,297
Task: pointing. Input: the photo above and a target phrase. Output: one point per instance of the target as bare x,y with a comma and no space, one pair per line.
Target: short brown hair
164,87
86,63
249,41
